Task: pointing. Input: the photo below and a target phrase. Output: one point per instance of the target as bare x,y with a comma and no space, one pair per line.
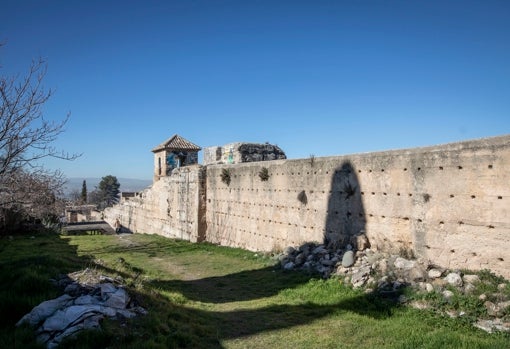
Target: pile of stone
88,298
386,274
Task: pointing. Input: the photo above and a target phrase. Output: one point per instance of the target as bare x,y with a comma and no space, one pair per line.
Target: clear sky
315,77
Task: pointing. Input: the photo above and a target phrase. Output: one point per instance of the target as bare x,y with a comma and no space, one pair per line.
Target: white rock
348,259
447,294
471,279
435,273
454,279
402,263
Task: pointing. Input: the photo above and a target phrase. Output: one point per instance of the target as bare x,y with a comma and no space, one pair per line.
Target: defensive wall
447,203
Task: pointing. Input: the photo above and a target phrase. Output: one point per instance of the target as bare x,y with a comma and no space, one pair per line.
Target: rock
405,264
447,294
416,274
360,242
482,297
435,273
429,287
289,250
288,266
383,266
503,306
471,279
469,289
491,326
501,287
360,276
319,250
348,259
492,309
300,259
453,279
420,304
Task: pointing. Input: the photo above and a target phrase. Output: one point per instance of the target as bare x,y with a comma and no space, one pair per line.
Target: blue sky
315,77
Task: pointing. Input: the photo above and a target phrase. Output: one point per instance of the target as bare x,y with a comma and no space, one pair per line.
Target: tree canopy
108,191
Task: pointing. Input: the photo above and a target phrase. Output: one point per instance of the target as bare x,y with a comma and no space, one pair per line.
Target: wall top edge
472,144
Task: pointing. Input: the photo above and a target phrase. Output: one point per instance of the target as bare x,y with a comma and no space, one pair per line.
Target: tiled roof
176,142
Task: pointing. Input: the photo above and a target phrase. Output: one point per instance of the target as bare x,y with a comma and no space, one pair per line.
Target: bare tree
26,137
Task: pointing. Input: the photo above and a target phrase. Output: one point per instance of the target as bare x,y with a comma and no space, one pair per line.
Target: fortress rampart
448,203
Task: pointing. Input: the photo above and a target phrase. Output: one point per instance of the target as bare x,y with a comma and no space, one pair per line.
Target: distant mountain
126,184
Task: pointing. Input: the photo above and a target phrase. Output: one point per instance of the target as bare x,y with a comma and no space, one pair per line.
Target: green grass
205,296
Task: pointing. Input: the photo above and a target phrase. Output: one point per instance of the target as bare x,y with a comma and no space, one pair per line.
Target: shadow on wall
345,215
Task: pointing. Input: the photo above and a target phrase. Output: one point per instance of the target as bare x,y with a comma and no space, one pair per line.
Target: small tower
173,153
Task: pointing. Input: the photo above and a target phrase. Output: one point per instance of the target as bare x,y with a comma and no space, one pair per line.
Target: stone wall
447,203
170,207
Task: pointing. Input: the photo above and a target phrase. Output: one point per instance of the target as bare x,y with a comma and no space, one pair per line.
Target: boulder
348,259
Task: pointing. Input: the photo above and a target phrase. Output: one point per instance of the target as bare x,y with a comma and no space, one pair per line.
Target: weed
302,197
225,176
264,174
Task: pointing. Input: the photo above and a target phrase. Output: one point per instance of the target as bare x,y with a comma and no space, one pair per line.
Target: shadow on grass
242,286
27,265
262,283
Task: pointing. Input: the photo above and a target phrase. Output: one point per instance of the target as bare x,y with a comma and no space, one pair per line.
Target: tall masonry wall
172,207
447,203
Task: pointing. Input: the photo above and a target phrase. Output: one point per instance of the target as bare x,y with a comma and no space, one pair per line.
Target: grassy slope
204,296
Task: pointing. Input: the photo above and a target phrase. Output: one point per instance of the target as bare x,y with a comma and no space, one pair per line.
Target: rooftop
176,142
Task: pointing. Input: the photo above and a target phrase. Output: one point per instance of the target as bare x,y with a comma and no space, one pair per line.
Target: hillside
126,184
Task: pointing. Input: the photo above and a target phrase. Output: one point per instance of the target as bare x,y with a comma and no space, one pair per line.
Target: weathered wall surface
171,207
449,203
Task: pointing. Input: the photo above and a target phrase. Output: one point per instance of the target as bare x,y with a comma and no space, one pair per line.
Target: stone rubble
88,298
386,274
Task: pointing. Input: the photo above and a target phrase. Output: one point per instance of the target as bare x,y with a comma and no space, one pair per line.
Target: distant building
173,153
81,213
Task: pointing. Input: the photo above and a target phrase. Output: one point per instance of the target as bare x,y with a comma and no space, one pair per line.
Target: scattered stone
289,250
420,304
402,263
469,288
288,266
435,273
492,326
348,259
360,242
492,309
454,279
356,268
471,279
447,294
